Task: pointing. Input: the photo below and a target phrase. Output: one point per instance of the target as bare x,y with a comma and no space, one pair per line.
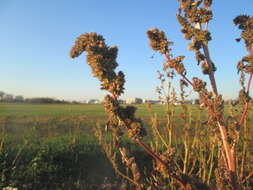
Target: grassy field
51,120
53,146
88,110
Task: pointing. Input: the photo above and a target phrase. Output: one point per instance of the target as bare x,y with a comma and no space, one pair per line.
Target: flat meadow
52,146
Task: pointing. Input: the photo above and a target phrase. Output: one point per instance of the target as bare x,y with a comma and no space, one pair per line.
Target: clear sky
36,37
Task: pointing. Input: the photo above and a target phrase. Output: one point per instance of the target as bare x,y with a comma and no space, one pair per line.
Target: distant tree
1,95
8,98
41,100
196,101
19,98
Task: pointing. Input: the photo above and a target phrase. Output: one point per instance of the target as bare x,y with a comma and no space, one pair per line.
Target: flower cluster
244,97
124,117
245,23
198,84
246,64
195,14
102,60
215,104
158,41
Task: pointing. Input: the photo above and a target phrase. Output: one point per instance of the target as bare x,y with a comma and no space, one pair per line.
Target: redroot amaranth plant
197,169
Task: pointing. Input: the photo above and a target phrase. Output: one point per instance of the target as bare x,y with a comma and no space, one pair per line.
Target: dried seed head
244,97
102,60
245,23
198,84
158,41
136,130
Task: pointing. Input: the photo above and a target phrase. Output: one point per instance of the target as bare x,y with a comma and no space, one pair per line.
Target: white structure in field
134,101
94,101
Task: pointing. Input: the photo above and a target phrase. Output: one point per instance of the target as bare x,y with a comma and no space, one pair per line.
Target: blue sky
36,36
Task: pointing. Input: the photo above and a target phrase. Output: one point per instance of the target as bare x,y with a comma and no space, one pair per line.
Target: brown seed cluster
245,65
198,84
245,23
102,60
244,97
215,104
192,16
124,117
158,41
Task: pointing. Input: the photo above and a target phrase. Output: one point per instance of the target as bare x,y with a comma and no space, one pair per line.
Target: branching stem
182,75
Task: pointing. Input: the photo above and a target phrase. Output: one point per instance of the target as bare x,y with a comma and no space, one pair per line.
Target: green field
51,120
89,110
53,146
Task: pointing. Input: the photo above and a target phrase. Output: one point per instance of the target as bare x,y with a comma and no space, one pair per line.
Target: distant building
94,101
196,101
83,102
134,101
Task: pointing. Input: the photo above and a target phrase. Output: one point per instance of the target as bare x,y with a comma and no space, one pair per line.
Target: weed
215,163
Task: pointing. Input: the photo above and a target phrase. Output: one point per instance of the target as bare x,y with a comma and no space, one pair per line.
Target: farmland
47,146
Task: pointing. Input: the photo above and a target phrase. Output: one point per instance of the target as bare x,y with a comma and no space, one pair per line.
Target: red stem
152,153
156,157
185,78
182,75
246,106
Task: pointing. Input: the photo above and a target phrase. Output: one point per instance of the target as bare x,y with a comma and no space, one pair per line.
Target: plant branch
156,157
182,75
246,178
122,174
244,113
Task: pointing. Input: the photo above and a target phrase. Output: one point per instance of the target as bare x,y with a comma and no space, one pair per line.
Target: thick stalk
226,146
210,69
230,156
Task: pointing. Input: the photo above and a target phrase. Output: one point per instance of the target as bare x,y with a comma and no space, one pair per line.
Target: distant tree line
9,98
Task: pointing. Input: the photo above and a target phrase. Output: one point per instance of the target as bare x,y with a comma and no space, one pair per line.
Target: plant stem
179,180
230,154
210,68
182,75
246,106
156,157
